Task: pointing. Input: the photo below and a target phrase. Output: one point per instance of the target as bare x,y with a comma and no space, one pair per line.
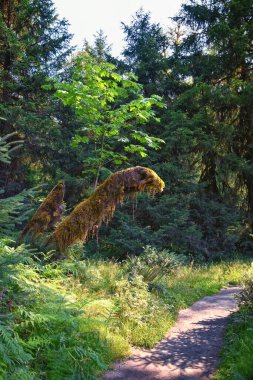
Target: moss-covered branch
100,206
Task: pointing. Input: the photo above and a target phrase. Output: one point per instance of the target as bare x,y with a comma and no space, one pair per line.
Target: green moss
99,208
47,214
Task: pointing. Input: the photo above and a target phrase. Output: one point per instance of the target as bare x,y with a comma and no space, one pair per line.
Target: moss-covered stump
47,214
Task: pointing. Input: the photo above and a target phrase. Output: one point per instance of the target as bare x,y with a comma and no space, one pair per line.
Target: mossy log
47,214
100,206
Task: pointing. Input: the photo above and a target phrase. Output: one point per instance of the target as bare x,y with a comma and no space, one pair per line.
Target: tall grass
71,319
237,354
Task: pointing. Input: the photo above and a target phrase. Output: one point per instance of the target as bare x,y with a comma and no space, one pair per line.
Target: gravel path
190,350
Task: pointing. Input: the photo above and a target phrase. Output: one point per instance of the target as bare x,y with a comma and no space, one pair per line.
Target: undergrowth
70,319
237,354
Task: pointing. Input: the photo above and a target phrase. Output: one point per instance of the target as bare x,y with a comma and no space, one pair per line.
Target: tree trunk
208,175
249,178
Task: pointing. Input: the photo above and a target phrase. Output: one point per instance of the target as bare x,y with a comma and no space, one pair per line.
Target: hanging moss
100,206
47,214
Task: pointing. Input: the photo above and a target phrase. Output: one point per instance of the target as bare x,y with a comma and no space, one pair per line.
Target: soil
191,349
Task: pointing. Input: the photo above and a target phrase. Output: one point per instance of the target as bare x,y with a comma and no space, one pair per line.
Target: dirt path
190,350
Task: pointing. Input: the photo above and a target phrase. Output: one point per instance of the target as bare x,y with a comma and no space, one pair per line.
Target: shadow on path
190,351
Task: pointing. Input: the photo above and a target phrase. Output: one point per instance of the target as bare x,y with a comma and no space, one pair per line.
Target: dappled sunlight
191,347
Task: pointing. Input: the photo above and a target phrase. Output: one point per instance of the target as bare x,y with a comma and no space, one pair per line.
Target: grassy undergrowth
237,354
71,319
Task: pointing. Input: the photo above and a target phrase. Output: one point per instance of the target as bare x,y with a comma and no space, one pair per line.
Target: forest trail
190,350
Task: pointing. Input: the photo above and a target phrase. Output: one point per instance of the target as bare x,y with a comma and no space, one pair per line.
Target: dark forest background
201,67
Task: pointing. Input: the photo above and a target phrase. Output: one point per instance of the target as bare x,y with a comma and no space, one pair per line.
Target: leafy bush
245,297
141,316
154,264
133,299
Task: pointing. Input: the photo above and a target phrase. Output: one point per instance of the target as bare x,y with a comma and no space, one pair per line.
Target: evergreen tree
145,52
163,221
200,199
218,54
34,45
100,49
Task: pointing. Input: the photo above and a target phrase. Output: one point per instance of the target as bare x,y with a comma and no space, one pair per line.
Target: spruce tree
202,194
34,45
145,51
218,55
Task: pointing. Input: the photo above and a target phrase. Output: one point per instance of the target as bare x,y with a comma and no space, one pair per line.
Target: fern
11,256
22,373
15,210
7,147
11,351
74,362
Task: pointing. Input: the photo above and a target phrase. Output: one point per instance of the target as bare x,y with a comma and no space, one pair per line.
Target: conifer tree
145,52
202,196
34,45
218,55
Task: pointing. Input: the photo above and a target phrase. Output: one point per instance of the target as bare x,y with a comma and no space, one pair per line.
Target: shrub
153,264
132,299
245,297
